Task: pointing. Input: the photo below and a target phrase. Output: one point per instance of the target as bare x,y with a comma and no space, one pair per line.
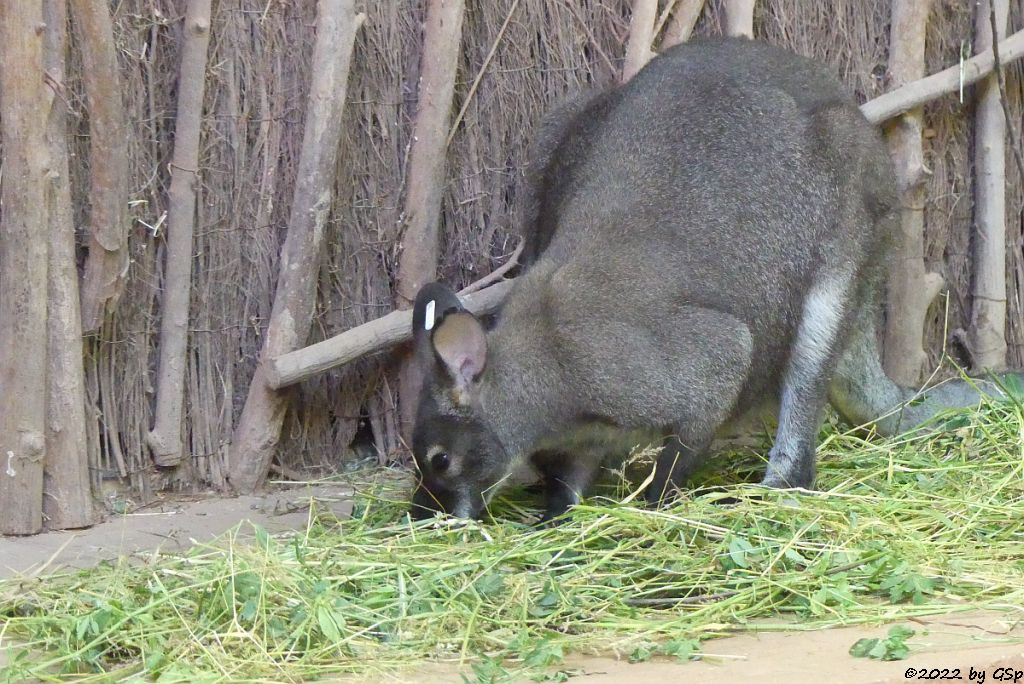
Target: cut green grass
915,525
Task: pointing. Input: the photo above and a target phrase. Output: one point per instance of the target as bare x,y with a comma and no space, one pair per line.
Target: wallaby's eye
439,461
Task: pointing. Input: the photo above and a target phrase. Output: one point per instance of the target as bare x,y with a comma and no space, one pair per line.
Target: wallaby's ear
460,343
434,301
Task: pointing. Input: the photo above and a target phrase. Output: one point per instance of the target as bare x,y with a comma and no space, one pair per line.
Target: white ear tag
429,313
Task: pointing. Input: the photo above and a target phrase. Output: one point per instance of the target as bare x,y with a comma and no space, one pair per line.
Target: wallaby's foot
660,495
551,519
790,471
659,486
657,497
560,498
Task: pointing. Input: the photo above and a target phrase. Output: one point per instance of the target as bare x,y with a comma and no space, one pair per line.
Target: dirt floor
170,525
985,647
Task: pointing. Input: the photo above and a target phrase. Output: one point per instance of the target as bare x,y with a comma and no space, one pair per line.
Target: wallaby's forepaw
659,496
653,501
791,481
551,519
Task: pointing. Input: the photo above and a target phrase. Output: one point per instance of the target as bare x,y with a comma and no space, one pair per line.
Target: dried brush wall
252,127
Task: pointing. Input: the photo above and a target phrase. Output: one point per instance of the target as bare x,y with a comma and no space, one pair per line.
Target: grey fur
703,241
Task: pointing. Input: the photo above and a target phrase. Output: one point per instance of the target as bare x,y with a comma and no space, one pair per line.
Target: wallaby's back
724,175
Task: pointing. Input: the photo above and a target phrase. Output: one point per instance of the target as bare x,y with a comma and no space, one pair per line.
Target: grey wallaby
706,240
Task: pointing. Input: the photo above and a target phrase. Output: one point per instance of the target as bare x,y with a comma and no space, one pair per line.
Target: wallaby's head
459,458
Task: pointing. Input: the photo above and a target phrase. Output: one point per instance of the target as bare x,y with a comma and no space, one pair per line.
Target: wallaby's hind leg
862,393
860,390
715,363
791,462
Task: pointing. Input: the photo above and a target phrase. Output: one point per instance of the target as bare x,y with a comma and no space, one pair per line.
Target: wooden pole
106,264
417,265
684,19
986,335
24,240
67,496
739,18
165,439
259,427
911,288
641,35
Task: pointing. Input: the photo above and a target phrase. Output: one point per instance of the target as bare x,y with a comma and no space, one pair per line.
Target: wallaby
706,240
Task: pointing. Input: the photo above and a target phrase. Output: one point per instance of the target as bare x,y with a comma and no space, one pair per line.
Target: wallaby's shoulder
551,303
538,300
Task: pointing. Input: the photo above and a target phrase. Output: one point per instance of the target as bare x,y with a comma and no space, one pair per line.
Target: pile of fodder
915,525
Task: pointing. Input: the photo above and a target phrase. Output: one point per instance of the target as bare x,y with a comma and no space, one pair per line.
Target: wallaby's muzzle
427,501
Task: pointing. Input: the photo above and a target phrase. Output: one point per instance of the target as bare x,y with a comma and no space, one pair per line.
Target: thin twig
496,274
590,36
663,17
480,74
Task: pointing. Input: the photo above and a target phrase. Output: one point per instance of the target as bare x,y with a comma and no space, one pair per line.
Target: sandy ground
167,526
989,644
979,644
963,641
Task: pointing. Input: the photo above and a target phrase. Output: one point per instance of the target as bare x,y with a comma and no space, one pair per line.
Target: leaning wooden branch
165,439
259,426
395,328
946,81
480,297
367,338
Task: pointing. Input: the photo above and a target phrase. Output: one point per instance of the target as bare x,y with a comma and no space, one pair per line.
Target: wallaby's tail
862,393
